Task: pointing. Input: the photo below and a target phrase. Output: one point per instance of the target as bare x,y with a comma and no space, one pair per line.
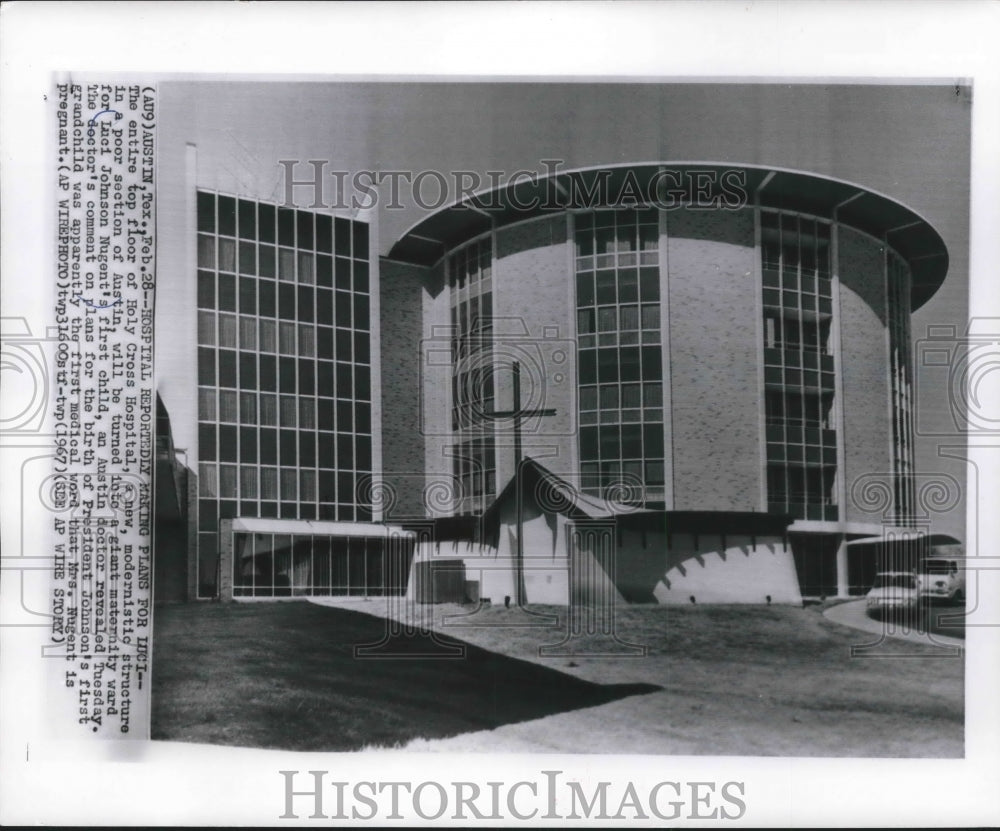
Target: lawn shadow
285,675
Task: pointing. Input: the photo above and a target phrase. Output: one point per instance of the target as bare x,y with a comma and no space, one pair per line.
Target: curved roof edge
708,185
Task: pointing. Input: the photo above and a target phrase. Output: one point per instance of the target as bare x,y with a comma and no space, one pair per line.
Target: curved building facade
713,340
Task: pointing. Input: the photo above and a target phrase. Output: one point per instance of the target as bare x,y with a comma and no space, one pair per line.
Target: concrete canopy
873,213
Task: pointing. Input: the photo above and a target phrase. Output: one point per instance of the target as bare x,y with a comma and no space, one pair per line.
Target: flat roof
895,535
704,523
861,208
258,525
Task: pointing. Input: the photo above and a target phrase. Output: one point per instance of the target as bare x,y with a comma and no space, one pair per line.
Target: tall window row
619,356
284,367
901,385
798,366
284,565
470,278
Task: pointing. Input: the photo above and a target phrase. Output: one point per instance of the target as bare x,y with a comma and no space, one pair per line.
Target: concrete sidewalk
853,614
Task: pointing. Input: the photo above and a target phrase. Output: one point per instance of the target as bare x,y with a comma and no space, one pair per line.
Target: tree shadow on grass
286,675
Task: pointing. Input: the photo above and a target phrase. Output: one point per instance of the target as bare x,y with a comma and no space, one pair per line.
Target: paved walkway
853,614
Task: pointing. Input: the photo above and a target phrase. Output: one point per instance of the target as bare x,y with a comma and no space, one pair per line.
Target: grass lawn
719,680
284,675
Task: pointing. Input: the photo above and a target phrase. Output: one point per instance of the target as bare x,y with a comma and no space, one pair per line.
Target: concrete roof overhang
897,535
263,525
679,184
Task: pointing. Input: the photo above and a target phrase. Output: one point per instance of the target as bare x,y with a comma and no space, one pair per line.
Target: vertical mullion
785,471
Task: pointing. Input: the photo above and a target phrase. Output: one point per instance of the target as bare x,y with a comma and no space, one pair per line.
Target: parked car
942,580
893,592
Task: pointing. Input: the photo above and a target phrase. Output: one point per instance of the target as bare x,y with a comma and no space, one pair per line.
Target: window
206,251
289,485
248,483
901,388
227,331
264,273
206,404
208,482
248,333
617,282
228,406
227,255
269,483
227,481
206,328
474,456
286,338
227,293
307,340
798,366
248,408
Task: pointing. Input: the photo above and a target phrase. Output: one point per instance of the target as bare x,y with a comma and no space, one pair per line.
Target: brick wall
534,291
435,402
713,360
865,406
401,324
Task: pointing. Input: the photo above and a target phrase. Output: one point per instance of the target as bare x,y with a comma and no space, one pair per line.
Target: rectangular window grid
798,366
901,386
284,398
288,565
619,357
473,389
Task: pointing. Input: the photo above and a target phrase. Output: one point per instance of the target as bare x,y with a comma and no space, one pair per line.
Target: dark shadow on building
170,518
